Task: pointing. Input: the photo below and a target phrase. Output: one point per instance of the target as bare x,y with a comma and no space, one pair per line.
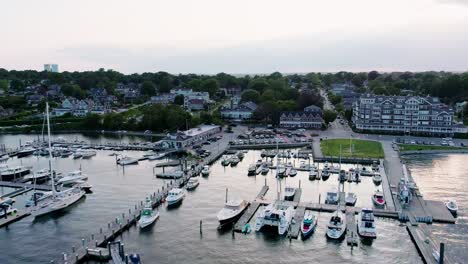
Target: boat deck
351,228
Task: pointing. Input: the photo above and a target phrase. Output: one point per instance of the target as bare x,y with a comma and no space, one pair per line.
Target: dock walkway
351,229
298,217
250,212
426,244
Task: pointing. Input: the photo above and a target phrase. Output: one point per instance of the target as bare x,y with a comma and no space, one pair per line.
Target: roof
312,108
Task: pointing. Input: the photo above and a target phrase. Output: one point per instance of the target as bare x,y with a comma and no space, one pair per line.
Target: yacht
265,169
27,151
226,161
377,178
192,183
252,170
231,211
281,170
378,198
148,215
72,177
332,197
175,196
38,196
325,174
312,175
277,215
11,173
127,161
366,224
342,176
308,225
289,193
351,199
39,176
452,206
336,227
292,172
234,161
205,171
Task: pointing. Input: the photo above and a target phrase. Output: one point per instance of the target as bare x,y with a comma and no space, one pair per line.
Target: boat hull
147,222
9,176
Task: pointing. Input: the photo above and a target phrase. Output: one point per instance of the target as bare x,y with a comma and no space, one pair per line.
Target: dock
16,192
250,212
295,228
40,187
426,244
297,195
351,228
13,218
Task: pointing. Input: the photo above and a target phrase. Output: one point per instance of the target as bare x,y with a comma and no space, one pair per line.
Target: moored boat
205,171
175,196
192,183
277,215
366,224
289,193
308,225
378,198
336,227
332,197
148,216
377,178
351,199
252,170
231,211
452,206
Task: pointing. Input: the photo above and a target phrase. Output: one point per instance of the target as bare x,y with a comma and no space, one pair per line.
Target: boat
308,225
351,199
7,209
240,155
37,196
325,174
289,193
155,156
452,206
59,200
148,215
378,198
39,176
11,173
312,175
65,153
225,161
127,161
326,166
77,155
336,227
263,153
231,211
366,224
281,170
377,178
252,170
72,177
292,172
375,166
265,169
134,259
276,215
332,197
246,229
205,171
88,154
192,183
234,161
4,157
304,166
342,176
27,151
175,196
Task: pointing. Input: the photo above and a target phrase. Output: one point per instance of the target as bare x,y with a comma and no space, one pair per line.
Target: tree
250,95
372,75
73,90
259,84
148,88
92,121
329,116
179,99
4,85
211,86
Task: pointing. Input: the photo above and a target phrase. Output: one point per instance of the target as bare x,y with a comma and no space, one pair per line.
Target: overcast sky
236,36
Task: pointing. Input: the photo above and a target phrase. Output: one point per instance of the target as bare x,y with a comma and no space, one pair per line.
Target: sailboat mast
50,149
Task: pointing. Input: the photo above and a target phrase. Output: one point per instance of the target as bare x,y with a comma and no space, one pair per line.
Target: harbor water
176,236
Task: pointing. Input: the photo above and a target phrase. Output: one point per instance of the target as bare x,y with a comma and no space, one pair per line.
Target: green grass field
408,147
361,148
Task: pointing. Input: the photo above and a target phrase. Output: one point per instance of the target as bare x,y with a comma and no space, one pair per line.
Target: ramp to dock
298,218
351,228
115,253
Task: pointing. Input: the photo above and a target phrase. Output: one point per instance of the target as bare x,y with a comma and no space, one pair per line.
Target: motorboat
263,153
304,166
205,171
77,155
192,183
11,173
240,155
351,199
289,193
336,227
312,175
326,166
7,200
342,176
231,211
366,224
7,209
281,170
155,156
265,169
4,157
378,198
292,172
39,176
325,174
277,215
27,151
332,197
65,153
234,161
452,206
148,216
72,177
175,196
127,161
252,170
308,225
375,166
88,154
377,178
226,161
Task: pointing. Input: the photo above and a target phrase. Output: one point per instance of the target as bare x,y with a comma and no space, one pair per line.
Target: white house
193,136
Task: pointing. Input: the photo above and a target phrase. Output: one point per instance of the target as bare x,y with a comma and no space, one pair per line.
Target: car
197,147
444,143
413,142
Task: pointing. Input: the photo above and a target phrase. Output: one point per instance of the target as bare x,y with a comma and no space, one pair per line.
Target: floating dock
351,228
249,213
295,228
20,214
427,245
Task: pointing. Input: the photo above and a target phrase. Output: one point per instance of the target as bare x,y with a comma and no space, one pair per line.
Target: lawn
408,147
360,148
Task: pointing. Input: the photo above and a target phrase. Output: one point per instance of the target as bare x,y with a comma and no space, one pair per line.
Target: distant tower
51,67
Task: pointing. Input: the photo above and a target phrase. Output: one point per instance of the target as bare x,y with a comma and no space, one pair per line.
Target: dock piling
226,195
201,231
82,242
441,253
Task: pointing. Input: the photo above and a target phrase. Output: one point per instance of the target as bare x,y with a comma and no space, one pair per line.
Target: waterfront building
51,67
193,136
311,117
403,114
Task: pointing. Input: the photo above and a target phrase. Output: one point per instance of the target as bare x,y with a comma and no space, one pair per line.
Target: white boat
59,200
325,174
25,152
175,196
336,227
4,158
72,177
342,176
292,172
192,183
155,156
289,193
452,206
378,198
375,166
7,200
226,161
8,209
377,178
234,161
231,211
39,176
88,154
77,155
148,215
351,199
127,161
38,196
277,215
240,155
308,225
252,170
265,169
332,197
281,170
11,173
206,170
366,224
312,174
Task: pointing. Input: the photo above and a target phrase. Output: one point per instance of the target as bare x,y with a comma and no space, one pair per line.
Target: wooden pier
16,192
351,228
295,228
426,244
250,211
40,187
297,195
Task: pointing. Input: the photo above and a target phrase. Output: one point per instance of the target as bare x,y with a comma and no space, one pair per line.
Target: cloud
460,2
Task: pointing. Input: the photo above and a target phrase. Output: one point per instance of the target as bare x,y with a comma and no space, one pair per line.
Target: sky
236,36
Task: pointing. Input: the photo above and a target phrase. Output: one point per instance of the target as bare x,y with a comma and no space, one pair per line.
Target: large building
51,67
311,118
238,111
403,114
194,136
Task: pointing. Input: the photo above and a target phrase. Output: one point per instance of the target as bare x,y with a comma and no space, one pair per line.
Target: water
176,238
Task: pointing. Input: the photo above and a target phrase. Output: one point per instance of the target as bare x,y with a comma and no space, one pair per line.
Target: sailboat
59,200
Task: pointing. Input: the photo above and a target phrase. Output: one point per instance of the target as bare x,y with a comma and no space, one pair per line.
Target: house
98,94
313,109
243,111
301,120
194,136
54,91
460,106
232,91
347,93
6,112
100,108
66,107
165,98
34,99
195,104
